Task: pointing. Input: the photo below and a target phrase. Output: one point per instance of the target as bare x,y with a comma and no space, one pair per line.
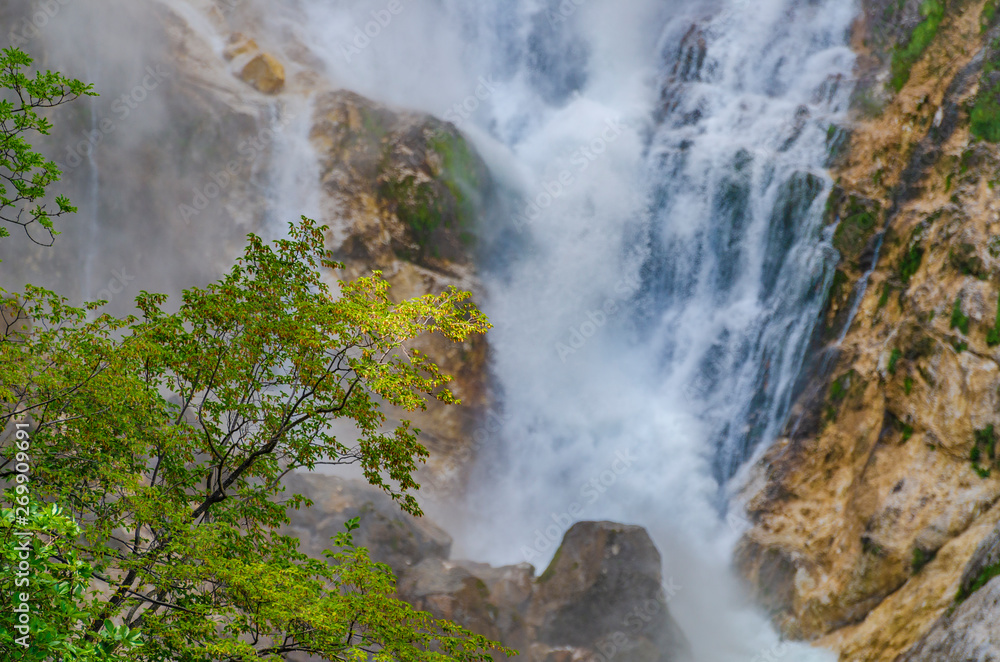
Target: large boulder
603,592
601,598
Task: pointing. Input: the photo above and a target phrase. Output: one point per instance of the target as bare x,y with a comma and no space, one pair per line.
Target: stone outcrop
407,189
865,515
601,598
971,632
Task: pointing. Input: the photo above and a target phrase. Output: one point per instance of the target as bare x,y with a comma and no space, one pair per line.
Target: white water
656,307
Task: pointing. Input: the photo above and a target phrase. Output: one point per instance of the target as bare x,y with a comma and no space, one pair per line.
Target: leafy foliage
24,174
48,571
167,436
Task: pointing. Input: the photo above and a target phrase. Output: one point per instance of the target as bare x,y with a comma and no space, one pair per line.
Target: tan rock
265,73
865,517
239,44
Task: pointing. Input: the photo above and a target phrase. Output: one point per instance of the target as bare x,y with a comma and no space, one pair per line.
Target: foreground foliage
165,437
25,174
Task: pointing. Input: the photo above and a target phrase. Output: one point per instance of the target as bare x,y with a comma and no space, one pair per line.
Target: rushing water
660,262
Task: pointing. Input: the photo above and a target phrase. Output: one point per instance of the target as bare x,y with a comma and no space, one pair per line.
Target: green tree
25,174
166,435
50,601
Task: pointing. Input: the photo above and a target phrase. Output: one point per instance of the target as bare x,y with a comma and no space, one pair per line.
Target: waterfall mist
660,265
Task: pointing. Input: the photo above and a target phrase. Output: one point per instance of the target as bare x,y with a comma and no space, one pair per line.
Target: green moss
840,388
993,335
920,559
964,259
984,447
984,577
959,320
856,227
551,570
912,258
884,299
908,385
989,11
907,431
460,173
893,359
984,119
904,57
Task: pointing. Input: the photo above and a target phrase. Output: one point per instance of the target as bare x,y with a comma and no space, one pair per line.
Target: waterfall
659,264
655,264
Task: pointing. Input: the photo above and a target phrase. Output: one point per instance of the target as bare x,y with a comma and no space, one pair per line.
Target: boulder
265,73
603,593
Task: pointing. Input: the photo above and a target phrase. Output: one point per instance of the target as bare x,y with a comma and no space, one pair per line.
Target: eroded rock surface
866,514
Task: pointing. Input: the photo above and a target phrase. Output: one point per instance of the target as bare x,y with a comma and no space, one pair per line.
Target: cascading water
660,267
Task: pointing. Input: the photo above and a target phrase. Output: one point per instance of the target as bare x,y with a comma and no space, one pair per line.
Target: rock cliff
864,517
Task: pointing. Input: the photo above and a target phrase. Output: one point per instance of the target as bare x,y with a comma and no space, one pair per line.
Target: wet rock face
866,514
971,632
602,597
410,185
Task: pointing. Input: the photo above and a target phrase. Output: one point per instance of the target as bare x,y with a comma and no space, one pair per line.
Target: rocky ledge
602,597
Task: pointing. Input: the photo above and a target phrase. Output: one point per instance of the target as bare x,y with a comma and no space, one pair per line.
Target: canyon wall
864,516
